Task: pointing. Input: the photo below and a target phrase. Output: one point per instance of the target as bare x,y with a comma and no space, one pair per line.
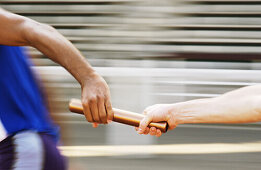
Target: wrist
194,111
88,77
178,113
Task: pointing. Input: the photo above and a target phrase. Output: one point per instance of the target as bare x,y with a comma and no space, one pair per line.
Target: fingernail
140,130
109,121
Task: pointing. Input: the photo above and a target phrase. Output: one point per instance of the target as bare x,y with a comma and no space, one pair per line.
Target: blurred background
154,51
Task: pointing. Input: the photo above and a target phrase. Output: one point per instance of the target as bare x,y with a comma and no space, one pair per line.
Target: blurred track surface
187,147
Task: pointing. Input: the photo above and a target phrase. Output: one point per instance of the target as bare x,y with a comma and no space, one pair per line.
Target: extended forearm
51,43
239,106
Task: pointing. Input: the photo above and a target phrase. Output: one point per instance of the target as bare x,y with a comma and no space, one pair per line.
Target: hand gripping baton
120,116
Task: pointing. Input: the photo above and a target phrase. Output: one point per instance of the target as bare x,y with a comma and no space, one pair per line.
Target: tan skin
17,30
238,106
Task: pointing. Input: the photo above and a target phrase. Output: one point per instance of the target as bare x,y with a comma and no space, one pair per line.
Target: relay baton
120,116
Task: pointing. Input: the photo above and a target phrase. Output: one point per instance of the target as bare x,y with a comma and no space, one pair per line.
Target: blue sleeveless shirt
22,106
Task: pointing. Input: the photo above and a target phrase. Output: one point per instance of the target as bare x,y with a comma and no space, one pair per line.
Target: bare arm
239,106
17,30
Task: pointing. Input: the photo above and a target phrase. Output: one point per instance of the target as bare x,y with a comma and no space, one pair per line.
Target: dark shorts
30,151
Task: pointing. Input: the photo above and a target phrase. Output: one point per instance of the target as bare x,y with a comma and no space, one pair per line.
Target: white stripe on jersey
29,151
3,133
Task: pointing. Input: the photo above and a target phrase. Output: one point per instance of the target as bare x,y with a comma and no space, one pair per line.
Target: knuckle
84,102
96,120
108,105
103,118
86,110
102,96
110,112
107,97
98,97
92,100
109,109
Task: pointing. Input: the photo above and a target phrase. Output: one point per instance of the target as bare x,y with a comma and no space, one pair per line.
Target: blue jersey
22,106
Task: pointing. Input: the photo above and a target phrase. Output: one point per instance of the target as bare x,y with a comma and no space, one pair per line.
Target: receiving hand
157,113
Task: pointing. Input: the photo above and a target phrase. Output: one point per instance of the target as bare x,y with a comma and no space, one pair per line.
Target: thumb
144,124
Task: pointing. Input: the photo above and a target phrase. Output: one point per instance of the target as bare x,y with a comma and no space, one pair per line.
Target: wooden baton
120,116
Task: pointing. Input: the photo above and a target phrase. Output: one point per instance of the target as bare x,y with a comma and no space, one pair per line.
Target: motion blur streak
215,148
154,51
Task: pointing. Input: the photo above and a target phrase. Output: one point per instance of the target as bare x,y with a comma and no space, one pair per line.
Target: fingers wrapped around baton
121,116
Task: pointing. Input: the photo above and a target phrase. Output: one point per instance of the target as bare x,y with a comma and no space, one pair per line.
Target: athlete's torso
22,106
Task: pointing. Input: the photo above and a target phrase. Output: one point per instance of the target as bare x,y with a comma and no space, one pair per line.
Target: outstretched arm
17,30
239,106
